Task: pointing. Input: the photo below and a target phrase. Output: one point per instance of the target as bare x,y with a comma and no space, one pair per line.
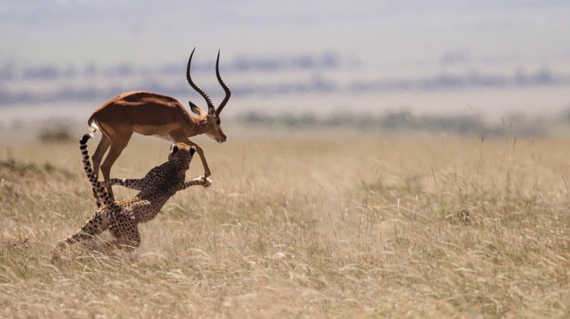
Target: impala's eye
218,122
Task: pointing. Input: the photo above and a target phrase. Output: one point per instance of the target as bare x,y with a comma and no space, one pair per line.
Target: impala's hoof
206,182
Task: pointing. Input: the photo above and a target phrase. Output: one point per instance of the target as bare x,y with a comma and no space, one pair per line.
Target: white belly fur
153,131
164,137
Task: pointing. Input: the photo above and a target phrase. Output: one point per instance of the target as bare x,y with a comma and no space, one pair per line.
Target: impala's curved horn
224,86
211,108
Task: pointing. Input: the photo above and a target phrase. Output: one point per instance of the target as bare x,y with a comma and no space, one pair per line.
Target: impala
149,113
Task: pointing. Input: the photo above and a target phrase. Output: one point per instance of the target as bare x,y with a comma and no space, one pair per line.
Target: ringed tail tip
85,138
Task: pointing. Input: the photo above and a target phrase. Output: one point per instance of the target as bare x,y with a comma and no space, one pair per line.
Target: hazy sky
105,30
411,39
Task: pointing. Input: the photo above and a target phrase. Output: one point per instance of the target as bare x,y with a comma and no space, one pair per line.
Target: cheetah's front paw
206,182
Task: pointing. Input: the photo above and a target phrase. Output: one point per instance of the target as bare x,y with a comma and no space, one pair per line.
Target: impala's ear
195,109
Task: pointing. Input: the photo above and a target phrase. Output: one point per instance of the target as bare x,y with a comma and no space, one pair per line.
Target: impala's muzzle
221,140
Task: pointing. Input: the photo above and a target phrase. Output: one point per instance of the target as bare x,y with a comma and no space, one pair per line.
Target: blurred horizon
486,58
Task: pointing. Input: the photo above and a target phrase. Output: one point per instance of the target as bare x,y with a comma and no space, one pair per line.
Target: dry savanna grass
360,227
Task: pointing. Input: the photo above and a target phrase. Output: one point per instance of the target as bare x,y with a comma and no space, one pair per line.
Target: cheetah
122,217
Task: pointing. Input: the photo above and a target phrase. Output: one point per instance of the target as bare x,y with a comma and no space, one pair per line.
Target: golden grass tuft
358,227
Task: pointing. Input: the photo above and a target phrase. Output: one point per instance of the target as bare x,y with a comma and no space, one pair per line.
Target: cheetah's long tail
97,186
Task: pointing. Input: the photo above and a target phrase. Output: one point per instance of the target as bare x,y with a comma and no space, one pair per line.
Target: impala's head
215,131
210,124
211,119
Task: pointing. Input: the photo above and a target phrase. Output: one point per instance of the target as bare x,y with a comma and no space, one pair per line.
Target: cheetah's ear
173,149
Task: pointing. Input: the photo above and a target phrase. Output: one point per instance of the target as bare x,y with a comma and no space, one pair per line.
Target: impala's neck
198,124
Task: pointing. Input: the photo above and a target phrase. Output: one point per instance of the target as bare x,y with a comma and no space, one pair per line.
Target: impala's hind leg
117,146
97,158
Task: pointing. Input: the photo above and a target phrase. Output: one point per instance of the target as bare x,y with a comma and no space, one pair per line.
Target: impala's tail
94,128
92,123
97,186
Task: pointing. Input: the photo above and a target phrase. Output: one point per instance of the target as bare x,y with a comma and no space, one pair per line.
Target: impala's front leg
204,163
199,150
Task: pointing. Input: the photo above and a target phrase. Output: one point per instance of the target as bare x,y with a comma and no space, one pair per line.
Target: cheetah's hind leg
97,224
126,233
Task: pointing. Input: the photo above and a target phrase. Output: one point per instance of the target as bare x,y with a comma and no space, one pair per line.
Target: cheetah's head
181,152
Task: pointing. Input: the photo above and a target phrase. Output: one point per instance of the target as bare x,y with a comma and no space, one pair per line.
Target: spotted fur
122,217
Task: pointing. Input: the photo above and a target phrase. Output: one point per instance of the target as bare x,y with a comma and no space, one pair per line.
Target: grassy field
356,227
